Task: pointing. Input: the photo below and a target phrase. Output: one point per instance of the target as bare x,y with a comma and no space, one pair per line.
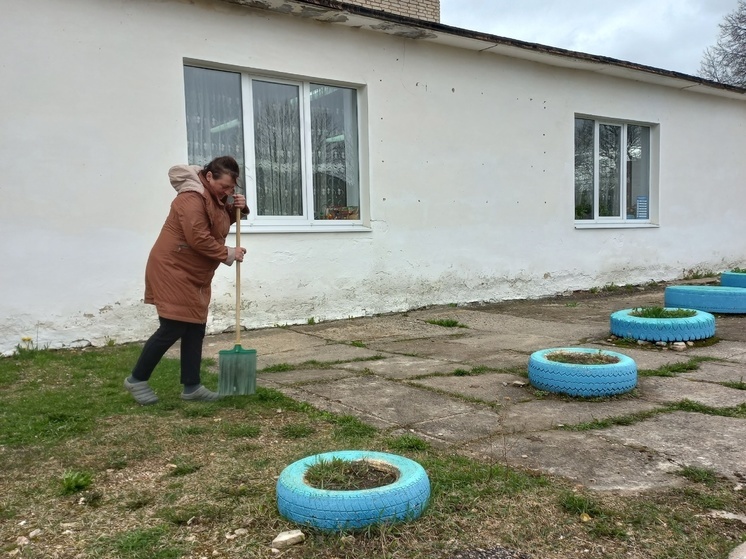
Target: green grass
344,475
296,431
698,475
407,443
661,312
148,543
739,270
674,369
172,480
74,481
447,323
739,385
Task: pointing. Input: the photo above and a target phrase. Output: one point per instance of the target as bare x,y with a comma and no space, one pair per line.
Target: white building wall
470,171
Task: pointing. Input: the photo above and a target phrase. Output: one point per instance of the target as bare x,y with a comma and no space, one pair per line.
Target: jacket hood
185,178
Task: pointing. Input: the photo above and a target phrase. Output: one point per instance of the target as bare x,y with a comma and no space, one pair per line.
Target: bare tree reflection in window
277,149
584,168
334,147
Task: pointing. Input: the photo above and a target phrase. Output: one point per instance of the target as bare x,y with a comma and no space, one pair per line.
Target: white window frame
614,222
305,223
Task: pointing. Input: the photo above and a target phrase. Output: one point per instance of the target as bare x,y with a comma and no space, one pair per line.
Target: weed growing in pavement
311,321
698,475
740,385
673,369
447,323
739,270
357,343
314,364
697,273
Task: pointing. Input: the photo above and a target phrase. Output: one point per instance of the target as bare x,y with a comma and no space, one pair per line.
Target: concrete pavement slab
731,327
667,390
304,376
504,359
336,407
647,358
690,439
460,429
391,401
471,347
541,415
391,327
490,387
518,327
326,353
585,458
726,349
716,371
580,308
401,366
265,341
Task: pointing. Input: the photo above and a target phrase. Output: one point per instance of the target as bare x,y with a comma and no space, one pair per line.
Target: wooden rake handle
238,278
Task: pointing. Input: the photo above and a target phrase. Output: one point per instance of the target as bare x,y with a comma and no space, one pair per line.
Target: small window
612,172
298,142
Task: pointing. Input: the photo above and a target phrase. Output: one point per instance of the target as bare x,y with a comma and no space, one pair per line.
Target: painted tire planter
733,279
329,510
582,380
708,298
697,327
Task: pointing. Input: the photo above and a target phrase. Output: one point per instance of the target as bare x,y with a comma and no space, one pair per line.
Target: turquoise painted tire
708,298
582,380
335,511
733,279
698,327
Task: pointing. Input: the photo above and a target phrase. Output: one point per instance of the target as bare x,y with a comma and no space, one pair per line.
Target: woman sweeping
180,269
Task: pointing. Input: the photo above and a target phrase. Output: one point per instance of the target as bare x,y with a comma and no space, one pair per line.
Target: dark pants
191,349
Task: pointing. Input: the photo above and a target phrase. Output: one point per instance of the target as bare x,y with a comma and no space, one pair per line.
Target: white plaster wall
470,171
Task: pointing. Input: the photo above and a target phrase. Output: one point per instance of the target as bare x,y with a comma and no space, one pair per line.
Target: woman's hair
221,165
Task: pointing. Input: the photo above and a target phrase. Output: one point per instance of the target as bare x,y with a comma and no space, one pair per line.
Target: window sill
616,225
305,228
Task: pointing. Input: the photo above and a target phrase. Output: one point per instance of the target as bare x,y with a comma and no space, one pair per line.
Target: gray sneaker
141,392
202,394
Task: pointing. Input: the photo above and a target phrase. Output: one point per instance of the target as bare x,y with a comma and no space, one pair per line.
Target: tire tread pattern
708,298
403,500
582,380
698,327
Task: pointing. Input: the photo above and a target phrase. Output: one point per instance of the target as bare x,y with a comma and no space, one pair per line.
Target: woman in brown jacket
180,269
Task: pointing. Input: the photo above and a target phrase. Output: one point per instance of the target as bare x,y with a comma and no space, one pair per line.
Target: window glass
213,115
300,155
638,172
334,147
609,170
277,149
584,168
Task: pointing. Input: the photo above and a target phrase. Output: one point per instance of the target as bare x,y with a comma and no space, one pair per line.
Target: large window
612,171
298,142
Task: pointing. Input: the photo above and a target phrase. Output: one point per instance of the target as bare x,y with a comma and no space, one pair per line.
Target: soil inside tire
343,475
581,358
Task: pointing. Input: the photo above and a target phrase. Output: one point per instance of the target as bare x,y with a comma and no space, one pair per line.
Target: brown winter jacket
188,250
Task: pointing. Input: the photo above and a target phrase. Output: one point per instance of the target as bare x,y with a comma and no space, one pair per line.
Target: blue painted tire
733,279
403,500
698,327
708,298
582,380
